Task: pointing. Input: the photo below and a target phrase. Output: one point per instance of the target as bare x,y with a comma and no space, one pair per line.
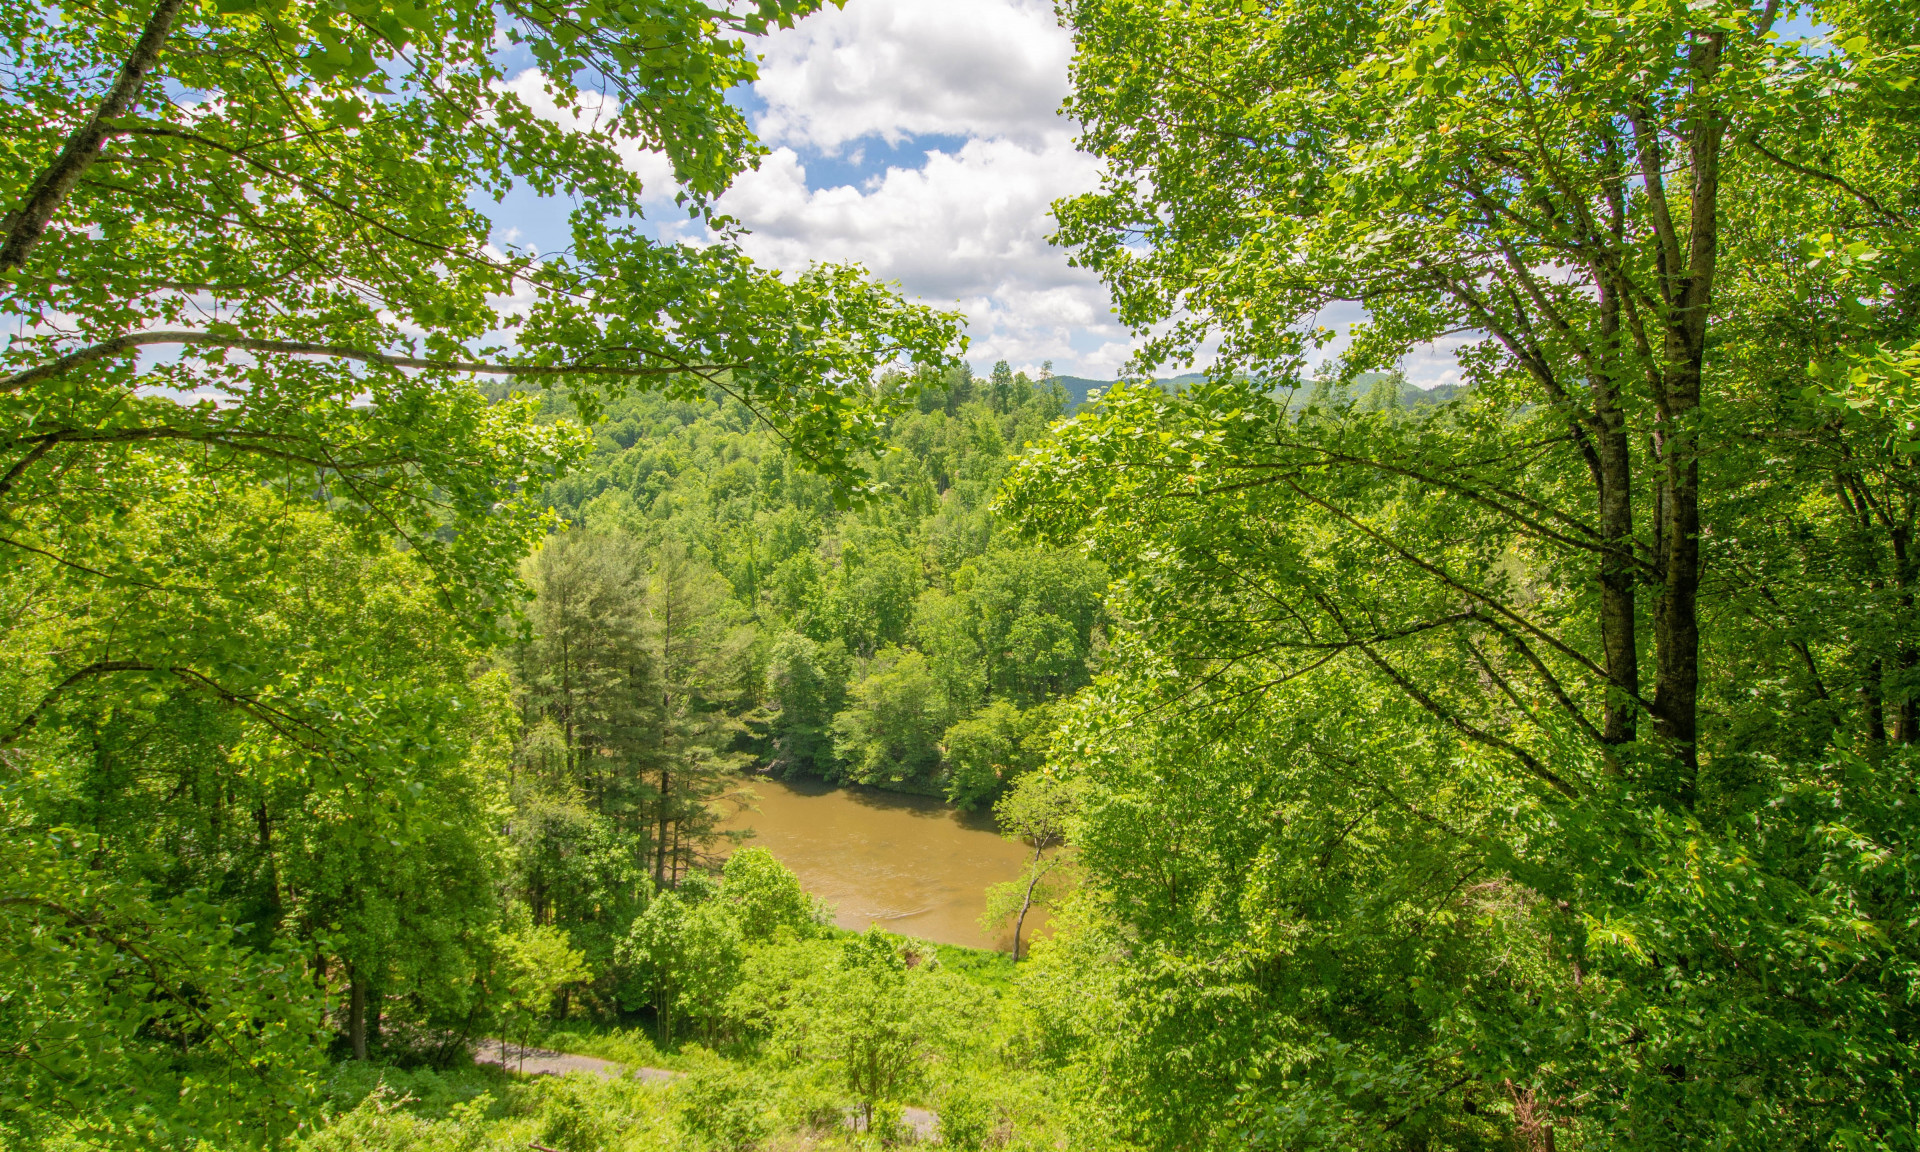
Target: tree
642,662
686,949
260,800
574,869
990,750
1509,647
807,681
1037,812
118,996
982,752
1000,387
766,898
701,649
276,201
1038,612
890,731
351,161
586,666
1451,196
532,964
879,1020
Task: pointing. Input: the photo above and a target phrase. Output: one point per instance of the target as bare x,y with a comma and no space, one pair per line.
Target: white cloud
968,228
898,68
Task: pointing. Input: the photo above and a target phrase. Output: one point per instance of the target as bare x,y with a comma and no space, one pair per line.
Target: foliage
571,1114
880,1014
993,748
257,525
532,963
136,1017
918,592
966,1121
728,1107
890,731
1038,812
766,897
1451,785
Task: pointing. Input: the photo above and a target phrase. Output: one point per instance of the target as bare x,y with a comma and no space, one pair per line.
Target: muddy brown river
909,863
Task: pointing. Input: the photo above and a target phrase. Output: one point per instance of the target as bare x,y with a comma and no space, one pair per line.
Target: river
909,863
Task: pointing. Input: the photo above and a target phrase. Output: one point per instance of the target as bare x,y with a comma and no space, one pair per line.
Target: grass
992,970
629,1046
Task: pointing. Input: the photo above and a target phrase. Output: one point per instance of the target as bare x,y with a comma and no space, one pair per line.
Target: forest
396,617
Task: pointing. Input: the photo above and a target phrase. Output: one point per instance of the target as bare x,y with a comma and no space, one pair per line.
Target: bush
966,1119
423,1091
381,1120
729,1109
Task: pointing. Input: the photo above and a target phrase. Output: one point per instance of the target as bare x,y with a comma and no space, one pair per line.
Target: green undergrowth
721,1105
993,970
742,1096
632,1047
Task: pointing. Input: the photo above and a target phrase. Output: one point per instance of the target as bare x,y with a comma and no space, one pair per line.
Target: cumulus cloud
900,68
956,225
653,168
959,221
967,227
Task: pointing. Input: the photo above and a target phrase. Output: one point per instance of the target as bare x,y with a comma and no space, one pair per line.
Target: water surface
909,863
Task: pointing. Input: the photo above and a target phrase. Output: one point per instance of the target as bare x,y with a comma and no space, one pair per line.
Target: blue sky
922,139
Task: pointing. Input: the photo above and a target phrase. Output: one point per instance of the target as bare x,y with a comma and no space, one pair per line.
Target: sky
922,139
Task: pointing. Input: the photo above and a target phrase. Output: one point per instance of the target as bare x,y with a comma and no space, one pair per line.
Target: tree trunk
1686,284
356,1012
1020,921
660,833
1026,905
376,1007
1906,706
1876,710
1618,621
666,730
1677,626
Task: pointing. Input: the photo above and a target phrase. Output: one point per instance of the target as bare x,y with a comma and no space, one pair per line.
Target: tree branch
120,345
1886,216
1468,730
82,149
98,668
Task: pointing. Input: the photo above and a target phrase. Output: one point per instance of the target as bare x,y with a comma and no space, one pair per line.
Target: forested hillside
910,643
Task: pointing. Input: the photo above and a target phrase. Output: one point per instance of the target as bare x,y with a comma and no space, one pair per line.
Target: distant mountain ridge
1079,388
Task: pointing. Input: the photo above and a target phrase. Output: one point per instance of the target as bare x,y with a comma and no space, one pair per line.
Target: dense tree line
908,644
709,610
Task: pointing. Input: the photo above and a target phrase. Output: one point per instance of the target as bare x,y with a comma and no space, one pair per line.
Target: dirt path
541,1062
